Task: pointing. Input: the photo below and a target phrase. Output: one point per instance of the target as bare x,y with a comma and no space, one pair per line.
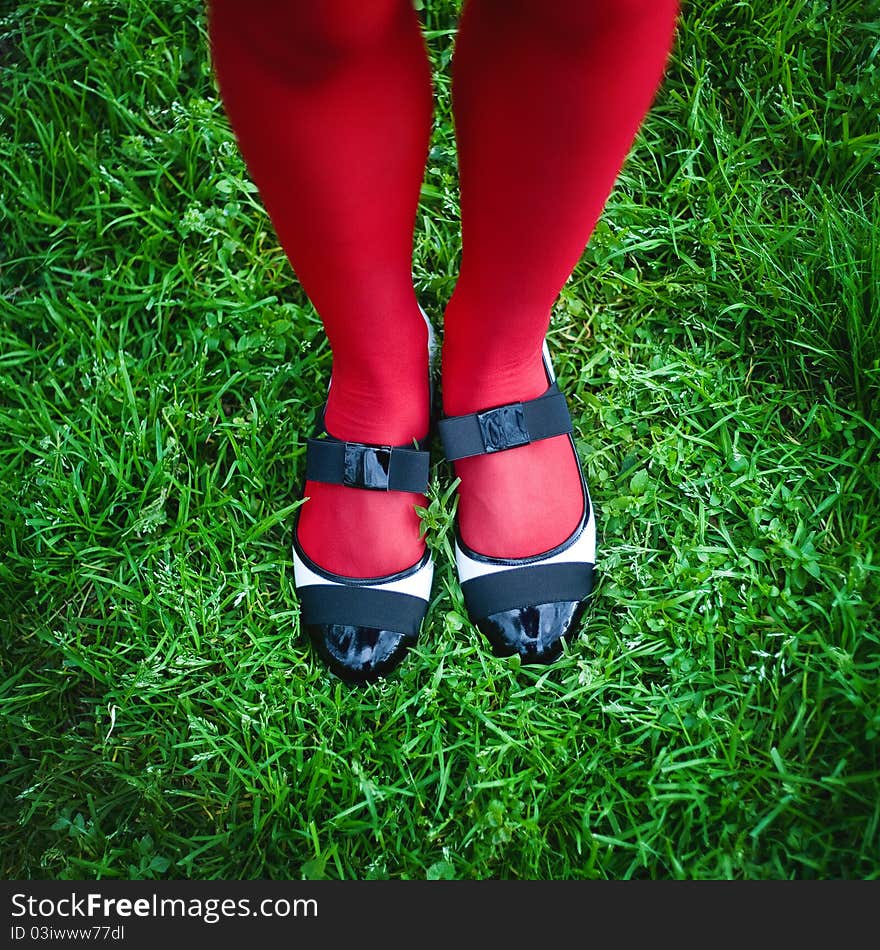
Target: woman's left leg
548,97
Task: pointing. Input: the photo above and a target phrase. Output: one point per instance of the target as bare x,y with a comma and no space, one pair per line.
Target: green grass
163,717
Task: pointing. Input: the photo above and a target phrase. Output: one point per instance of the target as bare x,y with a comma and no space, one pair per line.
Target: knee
574,24
321,28
344,26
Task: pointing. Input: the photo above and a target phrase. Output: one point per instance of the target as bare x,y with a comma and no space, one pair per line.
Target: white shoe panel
582,550
417,584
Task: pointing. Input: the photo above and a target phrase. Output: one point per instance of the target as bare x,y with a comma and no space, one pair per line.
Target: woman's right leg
330,101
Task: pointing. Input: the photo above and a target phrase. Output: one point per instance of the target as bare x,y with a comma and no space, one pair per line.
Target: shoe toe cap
359,654
535,632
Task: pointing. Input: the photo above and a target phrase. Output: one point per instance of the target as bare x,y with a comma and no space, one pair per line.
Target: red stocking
330,101
548,96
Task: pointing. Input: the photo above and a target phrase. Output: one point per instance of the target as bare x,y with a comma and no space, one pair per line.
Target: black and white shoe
363,627
527,606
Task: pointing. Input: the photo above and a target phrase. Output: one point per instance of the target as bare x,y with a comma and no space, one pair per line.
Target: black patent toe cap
536,632
359,654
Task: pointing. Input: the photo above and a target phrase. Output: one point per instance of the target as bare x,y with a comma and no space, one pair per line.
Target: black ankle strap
374,467
505,427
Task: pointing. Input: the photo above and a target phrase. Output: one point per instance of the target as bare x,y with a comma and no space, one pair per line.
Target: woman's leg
548,97
330,101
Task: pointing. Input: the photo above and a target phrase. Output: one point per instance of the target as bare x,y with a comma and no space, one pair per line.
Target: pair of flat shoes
362,628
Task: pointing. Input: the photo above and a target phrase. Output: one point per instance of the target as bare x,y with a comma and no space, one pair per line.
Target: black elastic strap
376,467
505,427
533,584
362,607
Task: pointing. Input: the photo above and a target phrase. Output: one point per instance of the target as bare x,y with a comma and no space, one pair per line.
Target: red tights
331,101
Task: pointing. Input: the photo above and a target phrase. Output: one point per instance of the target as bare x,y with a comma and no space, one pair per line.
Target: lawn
162,714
